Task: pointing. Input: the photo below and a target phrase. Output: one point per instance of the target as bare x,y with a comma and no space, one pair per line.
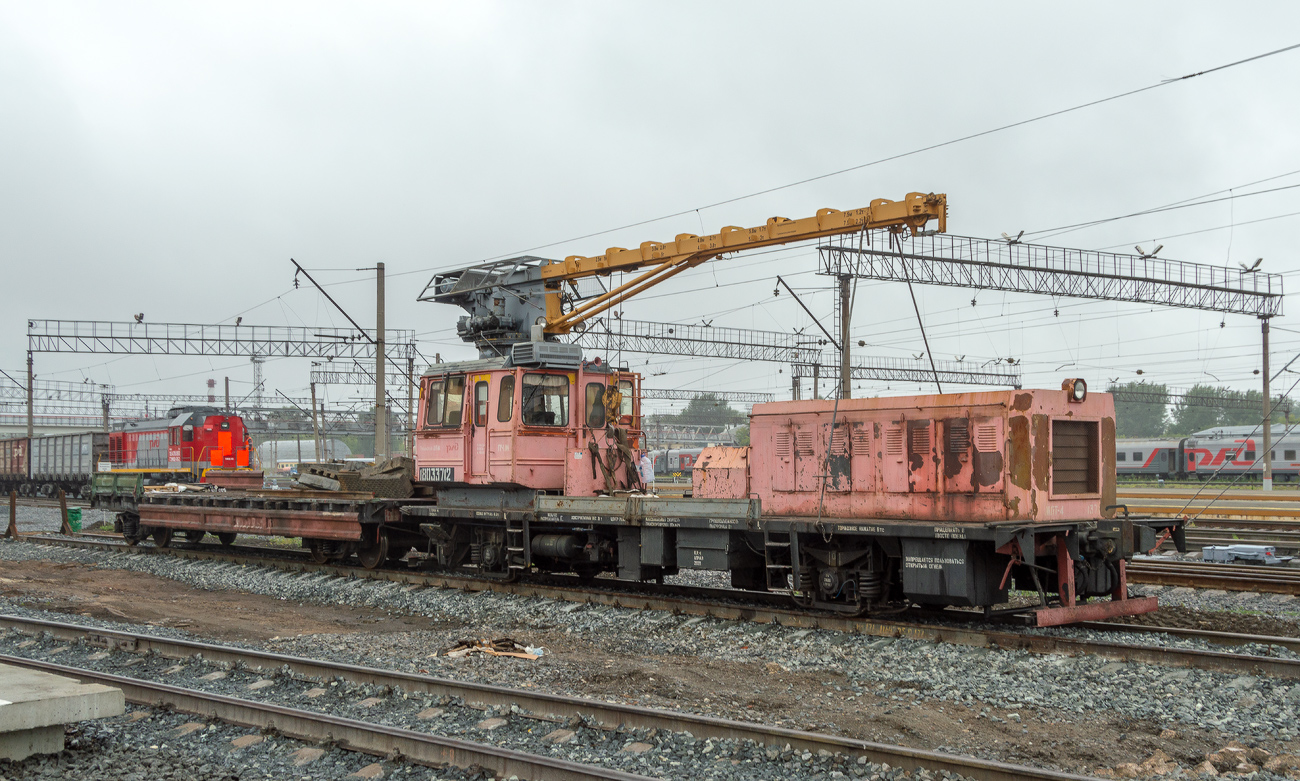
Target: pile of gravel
1284,606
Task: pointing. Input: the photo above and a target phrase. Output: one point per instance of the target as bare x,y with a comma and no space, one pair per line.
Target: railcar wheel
162,536
227,538
396,554
326,551
194,535
374,554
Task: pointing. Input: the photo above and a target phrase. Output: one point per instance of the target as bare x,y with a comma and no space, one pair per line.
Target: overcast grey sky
170,158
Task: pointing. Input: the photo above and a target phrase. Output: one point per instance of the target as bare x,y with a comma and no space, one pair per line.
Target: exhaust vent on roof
546,354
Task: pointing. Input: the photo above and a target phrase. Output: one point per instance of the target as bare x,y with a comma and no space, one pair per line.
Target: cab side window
454,406
433,405
506,399
480,403
595,408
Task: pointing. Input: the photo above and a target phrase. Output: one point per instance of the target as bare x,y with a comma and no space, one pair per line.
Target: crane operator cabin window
545,400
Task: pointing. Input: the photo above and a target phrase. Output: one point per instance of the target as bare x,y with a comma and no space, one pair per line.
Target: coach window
480,402
433,405
1289,455
1250,455
595,408
1121,456
506,398
545,400
1137,455
454,406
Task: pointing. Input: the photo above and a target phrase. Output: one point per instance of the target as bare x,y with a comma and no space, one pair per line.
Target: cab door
478,449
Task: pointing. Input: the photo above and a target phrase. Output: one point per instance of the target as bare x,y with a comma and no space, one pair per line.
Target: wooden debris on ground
503,646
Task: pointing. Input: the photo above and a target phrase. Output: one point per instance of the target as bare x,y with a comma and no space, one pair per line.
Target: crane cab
539,417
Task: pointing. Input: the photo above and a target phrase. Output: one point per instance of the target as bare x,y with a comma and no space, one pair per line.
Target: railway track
41,501
1229,577
434,750
730,605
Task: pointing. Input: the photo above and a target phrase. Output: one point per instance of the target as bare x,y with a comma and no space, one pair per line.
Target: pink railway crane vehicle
526,461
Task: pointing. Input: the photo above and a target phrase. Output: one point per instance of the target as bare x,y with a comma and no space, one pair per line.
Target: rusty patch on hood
1019,454
1042,454
1022,402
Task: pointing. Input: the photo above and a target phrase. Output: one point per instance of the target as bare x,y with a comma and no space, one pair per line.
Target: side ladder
517,558
780,552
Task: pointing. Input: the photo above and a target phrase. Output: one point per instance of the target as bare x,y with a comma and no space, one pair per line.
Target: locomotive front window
480,403
453,407
433,405
506,399
545,400
595,405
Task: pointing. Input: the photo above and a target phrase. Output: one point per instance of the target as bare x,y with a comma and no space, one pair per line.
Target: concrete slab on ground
34,706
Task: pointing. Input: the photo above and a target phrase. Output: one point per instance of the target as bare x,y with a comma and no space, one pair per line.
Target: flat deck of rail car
324,515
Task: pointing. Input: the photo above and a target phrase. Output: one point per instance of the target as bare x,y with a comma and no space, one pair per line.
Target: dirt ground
767,693
118,595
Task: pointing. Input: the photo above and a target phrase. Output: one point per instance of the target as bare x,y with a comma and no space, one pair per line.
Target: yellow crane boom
667,259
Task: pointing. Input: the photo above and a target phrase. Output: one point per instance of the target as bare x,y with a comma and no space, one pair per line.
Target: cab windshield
545,400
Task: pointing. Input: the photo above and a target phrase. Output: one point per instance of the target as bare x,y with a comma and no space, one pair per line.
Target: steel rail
1221,510
1221,638
1228,577
549,707
732,610
359,736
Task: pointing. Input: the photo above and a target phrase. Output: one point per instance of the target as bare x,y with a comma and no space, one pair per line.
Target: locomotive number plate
437,474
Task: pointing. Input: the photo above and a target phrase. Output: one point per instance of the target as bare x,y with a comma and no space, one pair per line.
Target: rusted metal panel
721,473
269,523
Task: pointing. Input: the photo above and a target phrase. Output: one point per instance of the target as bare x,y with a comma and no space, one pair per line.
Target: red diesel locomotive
180,446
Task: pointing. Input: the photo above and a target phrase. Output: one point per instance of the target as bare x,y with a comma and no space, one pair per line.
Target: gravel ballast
648,752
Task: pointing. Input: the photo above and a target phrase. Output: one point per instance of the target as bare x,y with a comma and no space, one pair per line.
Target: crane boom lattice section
968,262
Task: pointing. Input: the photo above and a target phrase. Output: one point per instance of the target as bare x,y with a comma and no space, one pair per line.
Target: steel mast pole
410,407
30,378
846,374
316,443
1268,418
381,399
